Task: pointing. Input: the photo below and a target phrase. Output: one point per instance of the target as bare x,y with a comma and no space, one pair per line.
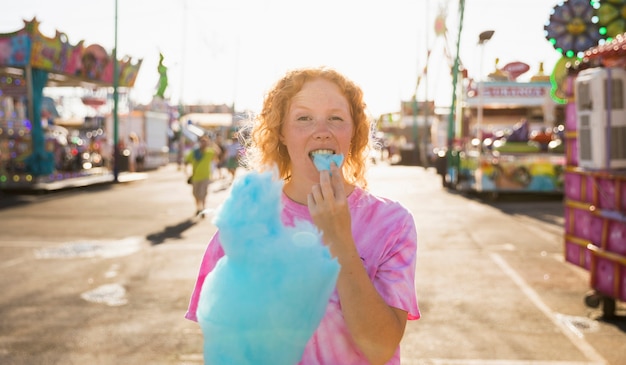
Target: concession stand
509,139
595,174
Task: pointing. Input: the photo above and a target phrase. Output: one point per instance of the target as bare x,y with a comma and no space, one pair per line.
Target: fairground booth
36,149
595,204
591,78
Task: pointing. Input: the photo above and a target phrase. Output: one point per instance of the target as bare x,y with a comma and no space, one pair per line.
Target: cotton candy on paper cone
267,295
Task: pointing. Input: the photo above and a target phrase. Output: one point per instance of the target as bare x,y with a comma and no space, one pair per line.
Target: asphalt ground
102,275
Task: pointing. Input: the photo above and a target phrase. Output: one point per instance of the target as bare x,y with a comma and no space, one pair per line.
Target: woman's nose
322,134
322,130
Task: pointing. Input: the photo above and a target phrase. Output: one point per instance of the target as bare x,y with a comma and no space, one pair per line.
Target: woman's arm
375,327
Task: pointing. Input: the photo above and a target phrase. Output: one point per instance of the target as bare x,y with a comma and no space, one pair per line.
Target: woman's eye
304,118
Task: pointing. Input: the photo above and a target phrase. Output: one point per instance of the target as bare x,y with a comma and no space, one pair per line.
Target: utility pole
116,80
455,88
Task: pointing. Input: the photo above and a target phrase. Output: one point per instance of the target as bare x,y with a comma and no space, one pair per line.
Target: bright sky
232,51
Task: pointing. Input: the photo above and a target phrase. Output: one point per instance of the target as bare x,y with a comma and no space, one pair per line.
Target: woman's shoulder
378,206
365,197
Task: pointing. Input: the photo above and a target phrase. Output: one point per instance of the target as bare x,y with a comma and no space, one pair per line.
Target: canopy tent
192,132
208,120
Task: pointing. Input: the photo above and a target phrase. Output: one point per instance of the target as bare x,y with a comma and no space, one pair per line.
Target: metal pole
483,38
481,90
427,134
181,99
416,143
116,79
455,86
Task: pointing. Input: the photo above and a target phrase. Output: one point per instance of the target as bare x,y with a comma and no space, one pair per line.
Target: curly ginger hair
265,148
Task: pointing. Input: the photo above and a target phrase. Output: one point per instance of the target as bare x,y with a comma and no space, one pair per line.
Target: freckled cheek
296,142
301,130
344,137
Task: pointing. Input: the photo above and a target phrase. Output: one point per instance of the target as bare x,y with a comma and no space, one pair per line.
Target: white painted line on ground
490,362
576,337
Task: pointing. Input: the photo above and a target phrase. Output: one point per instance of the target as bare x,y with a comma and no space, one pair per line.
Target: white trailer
152,129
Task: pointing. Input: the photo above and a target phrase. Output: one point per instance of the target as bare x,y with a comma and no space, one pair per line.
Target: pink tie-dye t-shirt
386,238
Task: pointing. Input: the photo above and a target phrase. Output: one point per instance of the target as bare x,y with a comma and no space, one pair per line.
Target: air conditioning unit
601,118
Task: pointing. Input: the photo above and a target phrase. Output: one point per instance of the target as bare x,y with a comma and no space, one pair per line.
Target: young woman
318,110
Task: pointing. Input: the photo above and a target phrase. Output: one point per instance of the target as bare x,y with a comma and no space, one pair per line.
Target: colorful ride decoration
611,17
560,91
571,29
28,47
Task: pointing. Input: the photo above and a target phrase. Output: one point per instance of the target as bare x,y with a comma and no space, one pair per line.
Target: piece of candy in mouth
322,160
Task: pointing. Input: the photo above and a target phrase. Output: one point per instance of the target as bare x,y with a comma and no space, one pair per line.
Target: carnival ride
407,135
32,149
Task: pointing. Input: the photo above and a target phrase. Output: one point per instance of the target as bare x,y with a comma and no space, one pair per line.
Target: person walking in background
201,158
220,162
319,111
138,152
232,155
131,152
140,159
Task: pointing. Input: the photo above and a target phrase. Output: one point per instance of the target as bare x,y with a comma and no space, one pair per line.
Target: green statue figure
162,85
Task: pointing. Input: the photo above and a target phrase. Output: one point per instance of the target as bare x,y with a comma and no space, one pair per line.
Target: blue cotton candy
267,295
322,161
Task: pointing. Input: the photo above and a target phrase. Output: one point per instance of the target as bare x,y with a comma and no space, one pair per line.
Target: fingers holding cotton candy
267,295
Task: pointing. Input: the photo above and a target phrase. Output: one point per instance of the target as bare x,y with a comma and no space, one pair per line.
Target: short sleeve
395,276
213,253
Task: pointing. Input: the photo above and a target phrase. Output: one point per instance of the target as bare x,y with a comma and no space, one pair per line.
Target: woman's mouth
321,152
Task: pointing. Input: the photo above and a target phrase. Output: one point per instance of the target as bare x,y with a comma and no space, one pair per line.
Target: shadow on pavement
619,321
17,197
220,185
170,232
549,208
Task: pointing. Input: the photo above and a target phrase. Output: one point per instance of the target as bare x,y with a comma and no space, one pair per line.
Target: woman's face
318,121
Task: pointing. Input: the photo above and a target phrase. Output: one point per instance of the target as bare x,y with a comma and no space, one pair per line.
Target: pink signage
515,69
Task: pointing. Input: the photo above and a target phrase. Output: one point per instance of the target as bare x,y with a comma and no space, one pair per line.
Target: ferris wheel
572,28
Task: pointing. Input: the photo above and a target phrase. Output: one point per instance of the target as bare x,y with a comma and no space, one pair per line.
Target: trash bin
441,163
122,158
409,157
